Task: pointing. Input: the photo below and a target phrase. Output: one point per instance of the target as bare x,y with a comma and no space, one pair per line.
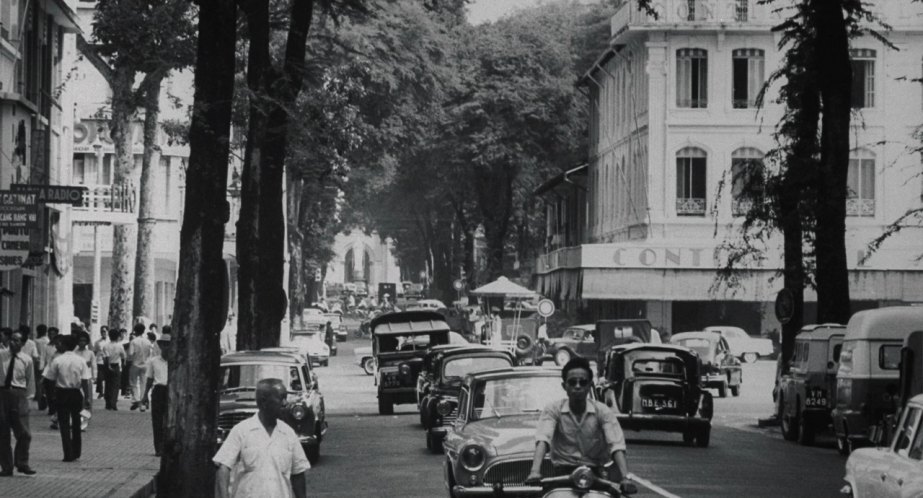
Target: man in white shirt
69,374
139,351
157,386
17,386
98,348
273,461
41,343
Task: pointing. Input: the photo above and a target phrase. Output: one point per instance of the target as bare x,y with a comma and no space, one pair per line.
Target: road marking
651,486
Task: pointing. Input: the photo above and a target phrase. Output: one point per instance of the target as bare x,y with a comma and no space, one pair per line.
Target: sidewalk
117,457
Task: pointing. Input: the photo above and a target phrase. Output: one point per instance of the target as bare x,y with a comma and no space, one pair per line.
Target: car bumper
459,490
714,380
857,424
317,359
667,423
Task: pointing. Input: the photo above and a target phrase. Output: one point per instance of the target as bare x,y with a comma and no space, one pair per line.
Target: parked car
868,376
425,377
658,387
309,339
893,471
492,441
748,349
720,369
615,333
806,392
577,340
304,409
399,342
439,405
365,359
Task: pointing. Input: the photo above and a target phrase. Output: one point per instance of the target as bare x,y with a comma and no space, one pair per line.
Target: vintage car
748,349
611,333
399,342
439,405
339,328
806,392
658,387
310,342
304,404
491,443
365,359
576,340
895,470
720,369
425,377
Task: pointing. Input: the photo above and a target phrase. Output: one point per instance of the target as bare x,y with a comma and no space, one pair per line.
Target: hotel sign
18,209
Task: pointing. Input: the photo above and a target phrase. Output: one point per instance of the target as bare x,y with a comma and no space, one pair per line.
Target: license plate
820,402
391,382
658,403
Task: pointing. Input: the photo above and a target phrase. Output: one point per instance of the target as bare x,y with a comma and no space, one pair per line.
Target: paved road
370,455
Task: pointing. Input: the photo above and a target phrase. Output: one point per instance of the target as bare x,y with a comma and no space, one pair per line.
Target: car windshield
513,396
459,367
701,346
308,329
576,334
393,343
241,379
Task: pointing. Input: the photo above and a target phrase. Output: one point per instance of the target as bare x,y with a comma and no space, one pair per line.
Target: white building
674,126
363,258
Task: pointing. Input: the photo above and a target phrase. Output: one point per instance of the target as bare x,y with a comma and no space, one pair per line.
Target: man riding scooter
579,432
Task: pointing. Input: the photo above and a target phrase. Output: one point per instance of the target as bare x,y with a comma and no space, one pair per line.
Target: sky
480,11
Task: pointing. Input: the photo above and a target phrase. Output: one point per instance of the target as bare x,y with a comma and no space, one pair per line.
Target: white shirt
139,351
23,371
266,462
98,349
67,370
90,358
157,370
42,344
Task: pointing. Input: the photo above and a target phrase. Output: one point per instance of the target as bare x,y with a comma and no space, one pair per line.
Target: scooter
581,483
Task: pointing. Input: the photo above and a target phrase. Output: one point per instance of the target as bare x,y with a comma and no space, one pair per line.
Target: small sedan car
576,340
748,349
658,387
895,470
720,369
492,440
365,359
304,409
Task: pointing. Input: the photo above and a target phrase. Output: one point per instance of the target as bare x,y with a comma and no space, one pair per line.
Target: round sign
14,248
458,284
785,306
546,308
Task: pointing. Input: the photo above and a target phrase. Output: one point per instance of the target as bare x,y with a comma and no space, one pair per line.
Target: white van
868,377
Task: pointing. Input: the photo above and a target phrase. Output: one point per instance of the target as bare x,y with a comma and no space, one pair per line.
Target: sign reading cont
14,249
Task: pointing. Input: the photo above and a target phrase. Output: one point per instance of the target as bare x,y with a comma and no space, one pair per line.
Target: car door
586,346
903,474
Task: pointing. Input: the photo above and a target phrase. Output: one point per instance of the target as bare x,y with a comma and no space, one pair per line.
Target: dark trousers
48,391
113,382
39,388
124,381
158,415
100,379
14,416
69,403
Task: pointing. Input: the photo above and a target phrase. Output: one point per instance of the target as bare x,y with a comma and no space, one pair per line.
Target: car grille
514,472
450,418
227,421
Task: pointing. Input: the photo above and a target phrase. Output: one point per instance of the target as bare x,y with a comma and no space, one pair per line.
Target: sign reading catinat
18,209
14,248
53,194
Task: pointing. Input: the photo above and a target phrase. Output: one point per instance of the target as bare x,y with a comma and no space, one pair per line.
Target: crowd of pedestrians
59,374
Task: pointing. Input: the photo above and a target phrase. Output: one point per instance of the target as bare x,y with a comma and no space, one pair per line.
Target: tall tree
132,37
199,314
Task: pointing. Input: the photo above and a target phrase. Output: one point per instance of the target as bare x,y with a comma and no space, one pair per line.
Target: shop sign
14,249
18,209
53,194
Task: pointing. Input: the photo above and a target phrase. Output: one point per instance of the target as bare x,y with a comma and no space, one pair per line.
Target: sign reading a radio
53,194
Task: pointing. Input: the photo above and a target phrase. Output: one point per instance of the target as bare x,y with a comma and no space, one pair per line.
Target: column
658,103
97,279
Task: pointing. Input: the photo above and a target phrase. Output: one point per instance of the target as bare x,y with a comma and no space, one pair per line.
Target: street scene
463,248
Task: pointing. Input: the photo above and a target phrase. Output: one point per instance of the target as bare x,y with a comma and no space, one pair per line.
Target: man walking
113,357
100,361
69,374
17,386
139,351
157,385
41,343
274,462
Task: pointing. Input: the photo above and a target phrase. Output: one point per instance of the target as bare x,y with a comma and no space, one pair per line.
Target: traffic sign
545,308
785,306
14,249
458,284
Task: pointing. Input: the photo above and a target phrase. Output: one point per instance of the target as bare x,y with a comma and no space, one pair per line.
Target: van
868,377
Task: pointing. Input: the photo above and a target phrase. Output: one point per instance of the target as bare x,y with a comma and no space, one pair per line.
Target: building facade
35,130
675,134
361,257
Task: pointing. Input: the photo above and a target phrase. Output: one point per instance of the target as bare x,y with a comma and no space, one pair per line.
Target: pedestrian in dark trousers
157,386
125,379
114,357
70,375
58,347
100,363
17,386
41,343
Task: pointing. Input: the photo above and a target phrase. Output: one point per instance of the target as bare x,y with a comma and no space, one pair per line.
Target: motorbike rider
578,430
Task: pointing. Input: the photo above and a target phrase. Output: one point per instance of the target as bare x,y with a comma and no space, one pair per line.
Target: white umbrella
502,287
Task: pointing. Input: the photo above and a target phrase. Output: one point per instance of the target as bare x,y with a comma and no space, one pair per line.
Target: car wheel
326,363
723,390
805,432
689,438
562,357
789,423
368,365
703,437
385,406
750,357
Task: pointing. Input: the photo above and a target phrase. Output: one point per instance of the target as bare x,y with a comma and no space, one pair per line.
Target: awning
63,15
502,287
560,178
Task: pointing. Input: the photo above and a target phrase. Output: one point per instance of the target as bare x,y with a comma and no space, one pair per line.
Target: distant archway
349,266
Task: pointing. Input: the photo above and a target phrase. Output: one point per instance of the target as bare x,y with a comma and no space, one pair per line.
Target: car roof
408,322
277,356
473,349
719,328
917,400
583,326
515,372
821,331
893,323
642,346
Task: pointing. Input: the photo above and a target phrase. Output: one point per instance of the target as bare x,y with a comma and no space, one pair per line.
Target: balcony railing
115,204
687,12
690,206
860,207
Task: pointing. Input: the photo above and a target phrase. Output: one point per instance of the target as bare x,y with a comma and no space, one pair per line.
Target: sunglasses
578,382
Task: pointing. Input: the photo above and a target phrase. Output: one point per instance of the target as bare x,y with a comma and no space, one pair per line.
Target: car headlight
445,407
326,349
583,478
405,369
298,412
472,458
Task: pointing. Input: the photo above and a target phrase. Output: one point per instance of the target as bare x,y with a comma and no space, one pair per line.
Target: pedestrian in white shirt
114,357
17,386
157,386
273,461
84,351
98,348
41,343
139,351
69,374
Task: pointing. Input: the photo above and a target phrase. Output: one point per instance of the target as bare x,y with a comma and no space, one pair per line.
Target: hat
164,338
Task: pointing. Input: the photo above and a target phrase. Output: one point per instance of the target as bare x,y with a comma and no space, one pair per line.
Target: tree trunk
297,297
186,469
495,200
123,236
835,81
144,260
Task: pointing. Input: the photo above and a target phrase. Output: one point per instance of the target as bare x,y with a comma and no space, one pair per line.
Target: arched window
690,181
747,179
692,78
860,184
349,265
